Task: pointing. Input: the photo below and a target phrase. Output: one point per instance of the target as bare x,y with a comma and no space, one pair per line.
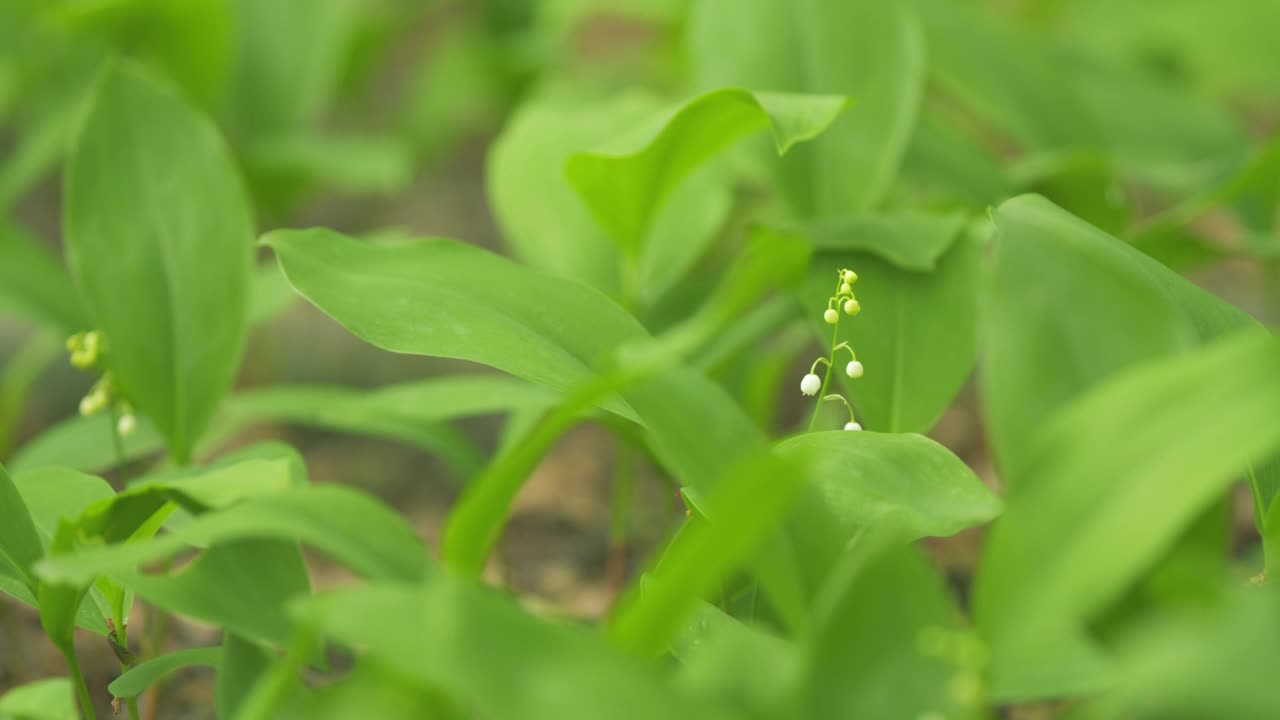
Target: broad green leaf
942,160
143,675
375,165
345,524
444,298
866,660
53,494
1067,306
271,294
1066,547
545,222
48,699
34,285
625,186
489,655
856,480
18,377
159,239
870,51
916,334
20,545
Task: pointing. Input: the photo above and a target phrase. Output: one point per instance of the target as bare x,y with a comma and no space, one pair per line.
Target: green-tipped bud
831,316
849,277
852,307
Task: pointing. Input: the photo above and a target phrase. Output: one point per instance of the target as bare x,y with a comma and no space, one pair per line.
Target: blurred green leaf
240,663
1066,546
909,240
34,285
48,699
138,678
1068,306
158,235
625,185
20,544
545,222
374,165
85,444
345,524
740,665
494,658
870,51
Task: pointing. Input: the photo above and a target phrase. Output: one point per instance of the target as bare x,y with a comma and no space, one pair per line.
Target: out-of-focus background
384,118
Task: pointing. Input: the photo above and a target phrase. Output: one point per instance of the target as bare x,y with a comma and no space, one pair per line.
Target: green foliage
1008,191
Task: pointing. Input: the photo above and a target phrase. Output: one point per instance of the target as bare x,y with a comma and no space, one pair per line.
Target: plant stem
826,377
123,637
116,441
82,689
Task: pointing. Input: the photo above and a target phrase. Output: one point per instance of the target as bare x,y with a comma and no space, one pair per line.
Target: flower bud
811,384
849,277
831,316
845,289
126,425
852,426
853,369
852,307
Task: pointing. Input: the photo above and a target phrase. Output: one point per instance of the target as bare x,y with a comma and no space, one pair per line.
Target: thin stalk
116,441
826,377
123,635
82,688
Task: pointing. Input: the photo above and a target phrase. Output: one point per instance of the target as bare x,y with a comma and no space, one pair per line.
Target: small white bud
87,405
849,276
852,426
831,316
852,307
845,289
811,384
853,369
126,425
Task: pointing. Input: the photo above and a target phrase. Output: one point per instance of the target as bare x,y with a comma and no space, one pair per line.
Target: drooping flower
811,384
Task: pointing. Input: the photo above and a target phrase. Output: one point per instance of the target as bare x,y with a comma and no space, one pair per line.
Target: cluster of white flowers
88,350
843,299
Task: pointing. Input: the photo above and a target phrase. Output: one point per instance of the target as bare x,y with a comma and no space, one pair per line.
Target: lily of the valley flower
811,384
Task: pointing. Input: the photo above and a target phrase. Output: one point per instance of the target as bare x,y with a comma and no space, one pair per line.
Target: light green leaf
34,285
479,642
20,545
916,334
740,665
159,238
348,525
444,298
84,443
240,665
143,675
545,222
1066,548
375,165
48,699
868,50
1067,306
624,187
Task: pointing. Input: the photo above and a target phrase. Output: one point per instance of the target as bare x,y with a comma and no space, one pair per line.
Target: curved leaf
868,50
34,285
138,678
624,188
159,240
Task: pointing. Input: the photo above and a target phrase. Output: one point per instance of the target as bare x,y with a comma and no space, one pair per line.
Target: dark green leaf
143,675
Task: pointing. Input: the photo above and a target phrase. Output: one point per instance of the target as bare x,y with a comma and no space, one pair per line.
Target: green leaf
348,525
909,240
17,378
870,51
856,480
1068,306
740,665
20,545
443,298
625,187
240,664
48,699
470,643
545,222
138,678
374,165
159,238
34,285
1066,546
916,334
865,660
